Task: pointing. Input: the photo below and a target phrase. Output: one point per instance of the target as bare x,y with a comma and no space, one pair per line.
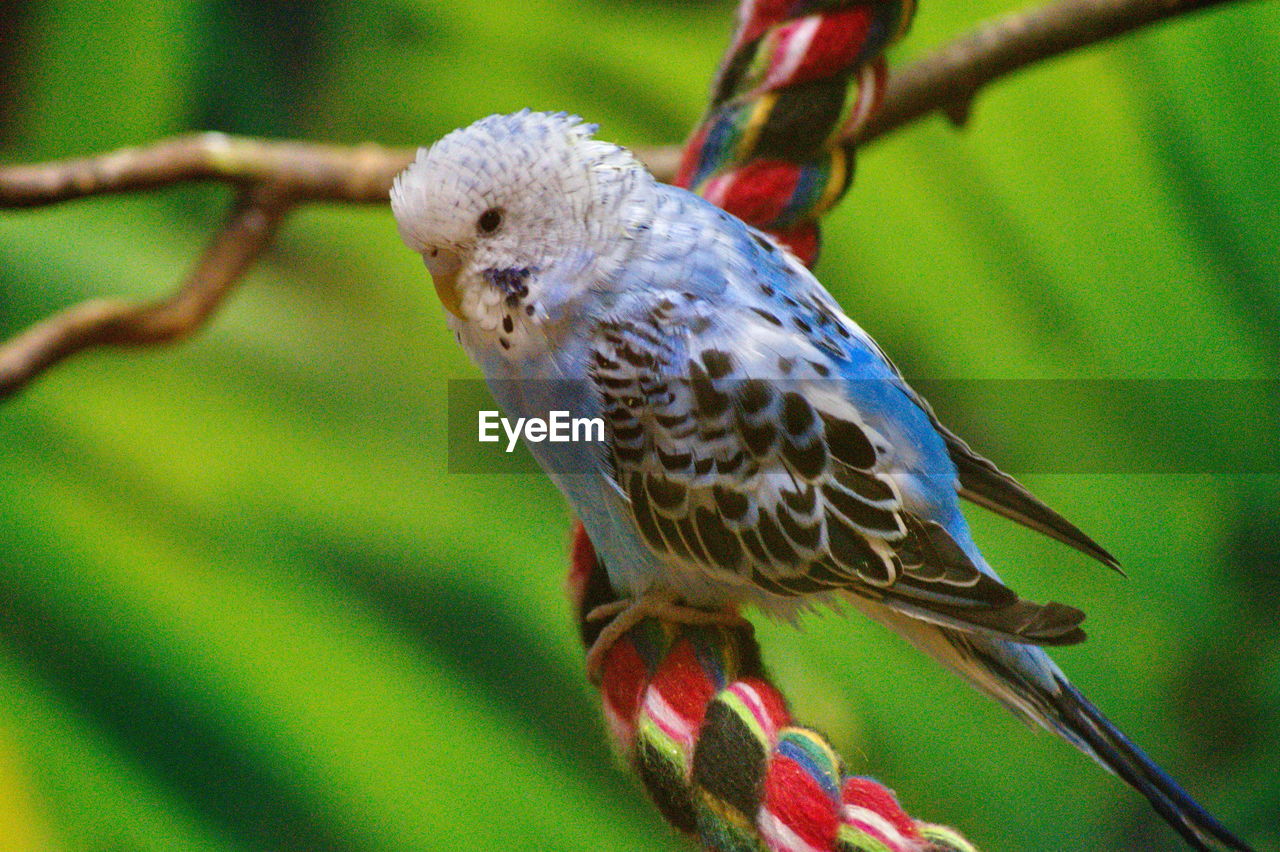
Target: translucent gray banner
1026,426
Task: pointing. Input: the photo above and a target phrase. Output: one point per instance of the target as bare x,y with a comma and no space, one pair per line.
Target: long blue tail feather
1114,750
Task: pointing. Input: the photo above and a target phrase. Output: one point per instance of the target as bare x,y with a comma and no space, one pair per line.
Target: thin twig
113,322
278,175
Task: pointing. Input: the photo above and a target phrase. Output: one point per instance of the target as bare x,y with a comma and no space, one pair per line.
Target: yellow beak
444,265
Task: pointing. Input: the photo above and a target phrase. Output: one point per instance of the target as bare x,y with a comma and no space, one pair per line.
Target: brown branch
307,171
277,175
948,80
113,322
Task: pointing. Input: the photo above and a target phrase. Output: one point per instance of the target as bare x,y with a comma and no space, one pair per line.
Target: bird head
518,218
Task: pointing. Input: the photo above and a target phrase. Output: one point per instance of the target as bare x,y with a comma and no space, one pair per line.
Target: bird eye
490,220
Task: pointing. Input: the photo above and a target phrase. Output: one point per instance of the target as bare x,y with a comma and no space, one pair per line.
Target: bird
760,449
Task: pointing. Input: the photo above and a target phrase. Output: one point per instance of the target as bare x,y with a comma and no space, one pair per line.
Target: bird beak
444,265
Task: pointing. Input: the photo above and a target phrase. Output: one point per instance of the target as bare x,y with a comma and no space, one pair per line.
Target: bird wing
742,451
985,484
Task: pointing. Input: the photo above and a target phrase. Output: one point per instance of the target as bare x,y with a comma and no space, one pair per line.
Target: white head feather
522,214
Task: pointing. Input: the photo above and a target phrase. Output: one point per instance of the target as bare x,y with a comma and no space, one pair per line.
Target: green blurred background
244,607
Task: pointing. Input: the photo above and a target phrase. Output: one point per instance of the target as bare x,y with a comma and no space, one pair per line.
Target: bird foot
625,614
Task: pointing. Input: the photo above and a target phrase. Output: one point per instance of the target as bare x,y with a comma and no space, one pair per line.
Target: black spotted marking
935,555
871,518
849,548
764,243
755,547
820,368
722,546
786,365
867,486
672,535
917,563
877,572
758,438
628,433
665,493
718,363
802,502
915,552
506,344
829,346
797,414
768,316
755,396
703,466
714,434
986,593
709,401
644,515
635,357
732,464
614,382
733,505
809,460
528,309
640,332
629,455
683,432
675,462
691,540
670,421
507,325
511,281
848,443
807,536
774,541
801,326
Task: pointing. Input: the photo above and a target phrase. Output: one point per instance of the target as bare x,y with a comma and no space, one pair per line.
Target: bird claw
625,614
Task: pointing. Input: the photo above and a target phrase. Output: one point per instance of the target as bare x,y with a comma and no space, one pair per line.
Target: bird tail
1024,679
1112,749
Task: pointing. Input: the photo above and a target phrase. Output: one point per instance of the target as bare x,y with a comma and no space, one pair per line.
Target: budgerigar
761,449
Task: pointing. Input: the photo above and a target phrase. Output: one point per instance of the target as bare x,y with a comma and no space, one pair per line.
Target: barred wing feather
739,456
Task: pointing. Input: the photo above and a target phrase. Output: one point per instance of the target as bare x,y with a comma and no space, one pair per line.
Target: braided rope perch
797,80
691,708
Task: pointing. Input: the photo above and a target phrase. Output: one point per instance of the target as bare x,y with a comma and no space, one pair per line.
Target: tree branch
305,170
113,322
948,80
277,175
